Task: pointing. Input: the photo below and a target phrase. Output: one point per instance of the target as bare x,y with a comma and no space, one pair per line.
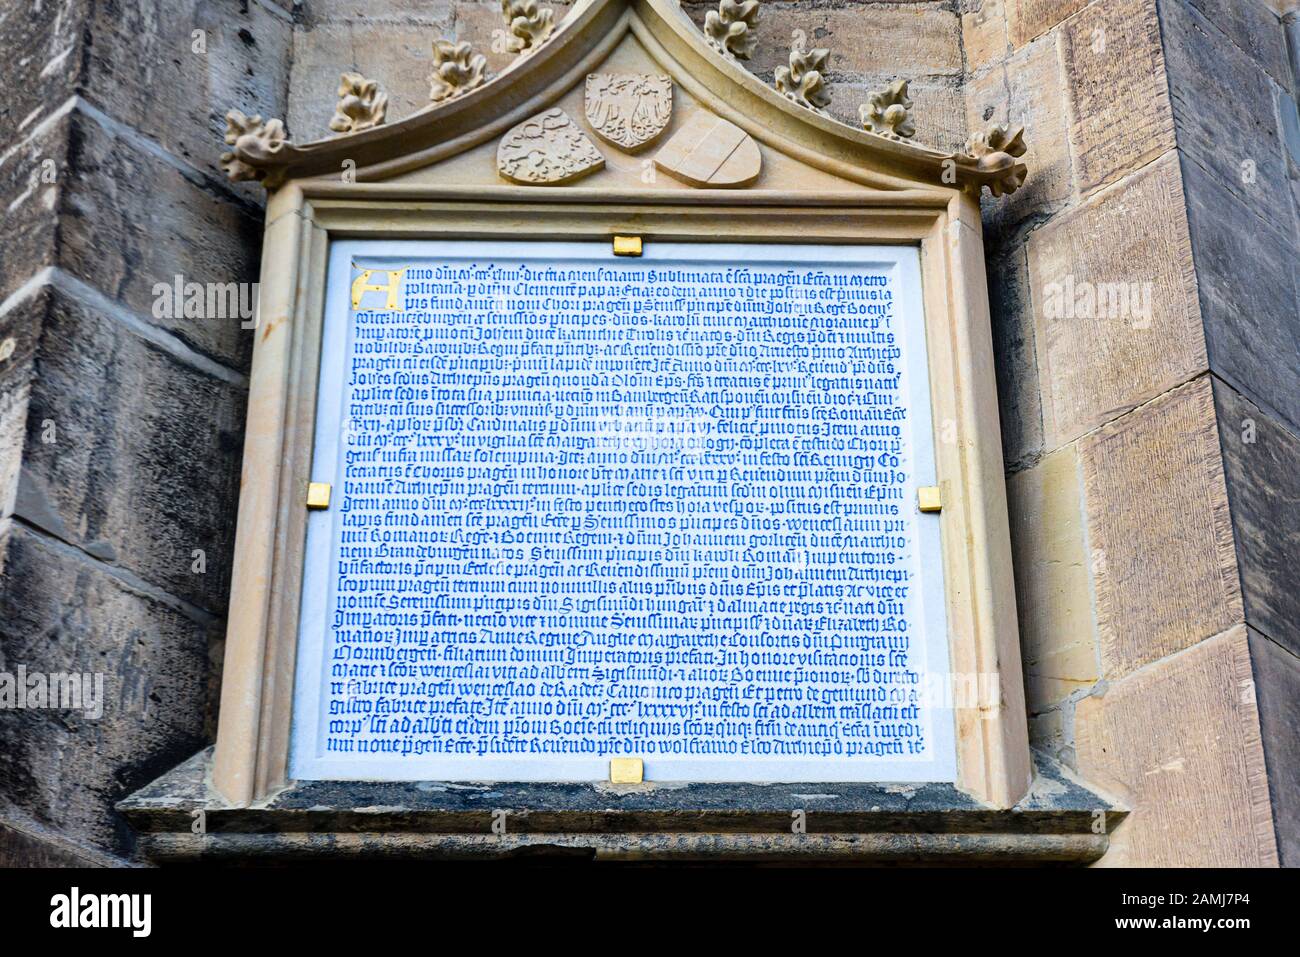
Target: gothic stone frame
839,186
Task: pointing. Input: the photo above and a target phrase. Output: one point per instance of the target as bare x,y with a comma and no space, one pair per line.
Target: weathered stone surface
1261,461
1053,590
1164,566
1097,358
1277,694
1028,91
41,64
1253,28
1011,311
27,844
399,54
313,12
1179,744
118,238
143,69
1027,19
144,459
21,327
909,40
132,455
61,611
983,33
1225,114
1246,276
29,204
1050,734
1119,98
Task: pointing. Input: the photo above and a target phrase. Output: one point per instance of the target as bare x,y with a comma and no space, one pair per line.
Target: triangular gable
799,146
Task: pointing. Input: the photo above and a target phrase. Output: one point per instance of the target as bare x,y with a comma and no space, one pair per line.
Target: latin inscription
597,509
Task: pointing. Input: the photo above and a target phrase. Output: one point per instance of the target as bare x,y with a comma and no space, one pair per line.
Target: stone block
433,12
1113,58
908,41
983,34
135,219
29,204
1028,90
1252,28
1048,733
1011,313
131,455
1261,461
1053,581
1246,277
1179,743
20,327
61,611
1164,564
41,63
1028,19
1117,322
147,68
1225,114
1277,694
26,844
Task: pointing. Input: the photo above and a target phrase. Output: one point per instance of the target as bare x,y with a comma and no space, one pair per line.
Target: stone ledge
847,823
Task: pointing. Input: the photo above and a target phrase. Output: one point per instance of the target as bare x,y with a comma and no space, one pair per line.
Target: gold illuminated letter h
362,285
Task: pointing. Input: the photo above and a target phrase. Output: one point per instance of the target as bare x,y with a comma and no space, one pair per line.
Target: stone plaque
588,508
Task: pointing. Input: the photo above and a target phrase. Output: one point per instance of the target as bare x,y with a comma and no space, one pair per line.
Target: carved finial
529,25
804,80
887,112
456,70
730,28
361,105
252,140
996,150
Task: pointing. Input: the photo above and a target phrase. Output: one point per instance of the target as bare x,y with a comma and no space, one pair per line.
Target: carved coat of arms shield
629,110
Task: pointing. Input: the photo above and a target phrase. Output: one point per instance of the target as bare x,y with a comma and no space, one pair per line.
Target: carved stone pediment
630,73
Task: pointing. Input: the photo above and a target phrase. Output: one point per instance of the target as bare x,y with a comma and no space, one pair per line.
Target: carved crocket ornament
997,149
804,80
253,142
361,105
457,69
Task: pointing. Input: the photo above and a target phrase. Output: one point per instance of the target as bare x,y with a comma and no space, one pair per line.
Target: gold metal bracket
318,495
627,245
928,499
626,771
